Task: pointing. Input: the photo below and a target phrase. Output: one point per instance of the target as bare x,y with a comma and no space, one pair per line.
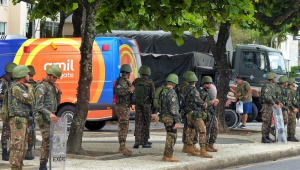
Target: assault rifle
32,127
213,112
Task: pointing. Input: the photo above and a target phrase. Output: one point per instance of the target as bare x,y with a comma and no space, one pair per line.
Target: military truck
163,56
252,62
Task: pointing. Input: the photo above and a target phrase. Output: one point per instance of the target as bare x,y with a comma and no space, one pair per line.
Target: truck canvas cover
160,42
162,65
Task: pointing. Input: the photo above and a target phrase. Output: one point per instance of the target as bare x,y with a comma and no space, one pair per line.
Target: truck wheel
252,116
68,112
239,120
95,125
230,118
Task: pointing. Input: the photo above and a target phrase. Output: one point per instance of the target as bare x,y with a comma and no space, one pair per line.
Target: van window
254,60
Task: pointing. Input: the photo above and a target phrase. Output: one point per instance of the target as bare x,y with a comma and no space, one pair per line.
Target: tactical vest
163,98
121,91
6,82
50,100
208,97
16,107
189,104
141,91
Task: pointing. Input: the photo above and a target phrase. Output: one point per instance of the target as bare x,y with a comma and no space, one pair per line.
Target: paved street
280,164
239,147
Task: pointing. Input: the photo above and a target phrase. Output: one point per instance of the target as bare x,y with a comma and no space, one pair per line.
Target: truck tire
231,118
252,116
68,112
95,125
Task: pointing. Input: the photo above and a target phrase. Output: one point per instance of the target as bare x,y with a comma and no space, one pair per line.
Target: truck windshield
277,63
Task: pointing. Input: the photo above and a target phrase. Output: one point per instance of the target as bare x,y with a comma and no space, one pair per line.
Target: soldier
20,98
144,94
170,116
207,95
281,99
47,97
123,105
267,97
5,82
195,140
195,116
291,126
29,155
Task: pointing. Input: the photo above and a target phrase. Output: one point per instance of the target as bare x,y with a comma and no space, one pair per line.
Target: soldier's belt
170,129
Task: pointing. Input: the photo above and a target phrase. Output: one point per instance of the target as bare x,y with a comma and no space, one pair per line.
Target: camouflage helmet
291,80
32,70
271,75
191,77
186,73
283,79
9,67
54,70
145,70
20,71
125,68
206,79
172,78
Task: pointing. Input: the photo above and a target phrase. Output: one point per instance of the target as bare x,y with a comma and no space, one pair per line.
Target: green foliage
293,72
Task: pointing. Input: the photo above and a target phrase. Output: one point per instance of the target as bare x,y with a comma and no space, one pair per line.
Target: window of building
2,28
3,2
49,29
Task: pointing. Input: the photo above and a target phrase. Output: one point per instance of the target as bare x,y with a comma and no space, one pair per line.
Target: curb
241,160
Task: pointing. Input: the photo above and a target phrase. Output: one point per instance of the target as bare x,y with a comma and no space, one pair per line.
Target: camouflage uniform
194,105
291,126
267,96
169,116
208,96
195,140
143,113
30,142
281,97
46,102
19,100
5,82
122,107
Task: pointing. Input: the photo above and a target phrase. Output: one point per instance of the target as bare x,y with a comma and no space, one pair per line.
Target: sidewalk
239,147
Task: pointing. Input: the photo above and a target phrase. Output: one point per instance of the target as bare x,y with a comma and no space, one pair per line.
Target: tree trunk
62,19
77,21
74,144
29,34
220,54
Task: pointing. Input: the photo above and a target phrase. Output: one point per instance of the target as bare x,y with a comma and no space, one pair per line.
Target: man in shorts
243,93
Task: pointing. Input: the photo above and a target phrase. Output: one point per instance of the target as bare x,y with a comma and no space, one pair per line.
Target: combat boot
136,144
195,148
265,140
146,146
204,154
192,152
43,166
292,139
185,148
5,155
271,140
163,158
124,151
29,155
212,148
171,159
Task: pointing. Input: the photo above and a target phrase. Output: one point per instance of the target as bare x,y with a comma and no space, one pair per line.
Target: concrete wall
17,18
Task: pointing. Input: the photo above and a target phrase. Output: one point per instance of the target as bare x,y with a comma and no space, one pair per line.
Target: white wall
289,50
